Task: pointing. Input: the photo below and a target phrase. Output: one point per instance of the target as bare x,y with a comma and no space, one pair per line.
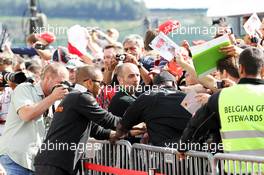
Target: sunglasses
101,83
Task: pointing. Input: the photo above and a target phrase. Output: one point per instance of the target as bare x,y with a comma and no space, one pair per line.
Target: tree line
87,9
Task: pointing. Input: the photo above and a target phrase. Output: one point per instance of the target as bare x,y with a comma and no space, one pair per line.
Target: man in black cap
160,109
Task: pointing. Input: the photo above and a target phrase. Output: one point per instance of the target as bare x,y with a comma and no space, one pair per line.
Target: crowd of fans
115,91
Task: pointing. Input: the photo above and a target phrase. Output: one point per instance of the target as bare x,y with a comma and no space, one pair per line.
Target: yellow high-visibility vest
241,110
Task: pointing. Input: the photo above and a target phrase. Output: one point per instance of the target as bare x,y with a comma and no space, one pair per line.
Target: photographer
134,49
134,53
8,82
25,122
110,63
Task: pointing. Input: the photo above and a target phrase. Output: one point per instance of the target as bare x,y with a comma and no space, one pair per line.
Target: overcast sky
178,3
216,7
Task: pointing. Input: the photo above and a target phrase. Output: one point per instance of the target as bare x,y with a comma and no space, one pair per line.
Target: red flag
168,26
77,40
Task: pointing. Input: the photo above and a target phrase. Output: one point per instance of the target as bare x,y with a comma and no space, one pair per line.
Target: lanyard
124,91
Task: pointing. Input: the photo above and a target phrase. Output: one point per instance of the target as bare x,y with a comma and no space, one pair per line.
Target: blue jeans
12,168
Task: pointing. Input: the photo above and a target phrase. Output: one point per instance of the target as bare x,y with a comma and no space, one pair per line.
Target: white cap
74,63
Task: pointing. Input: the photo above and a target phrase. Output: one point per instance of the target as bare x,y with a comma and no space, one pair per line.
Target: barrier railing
166,161
122,158
238,164
199,163
101,152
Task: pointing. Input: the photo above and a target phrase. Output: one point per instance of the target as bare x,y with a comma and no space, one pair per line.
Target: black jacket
120,102
70,121
161,111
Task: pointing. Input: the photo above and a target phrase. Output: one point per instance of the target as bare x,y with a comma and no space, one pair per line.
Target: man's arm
44,54
88,107
99,133
145,75
134,115
109,70
30,110
109,39
87,58
108,76
30,51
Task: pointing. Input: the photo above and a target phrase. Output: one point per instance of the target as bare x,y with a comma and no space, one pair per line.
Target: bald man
128,76
72,120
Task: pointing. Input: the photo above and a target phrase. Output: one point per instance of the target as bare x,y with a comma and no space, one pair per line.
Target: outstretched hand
181,155
231,50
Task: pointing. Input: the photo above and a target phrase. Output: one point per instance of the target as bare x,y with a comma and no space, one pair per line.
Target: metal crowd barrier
101,152
141,157
238,164
166,161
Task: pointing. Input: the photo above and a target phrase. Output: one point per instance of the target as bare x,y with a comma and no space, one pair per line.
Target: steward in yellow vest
236,112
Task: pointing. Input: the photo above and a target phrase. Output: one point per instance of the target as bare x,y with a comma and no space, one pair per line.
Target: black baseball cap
164,76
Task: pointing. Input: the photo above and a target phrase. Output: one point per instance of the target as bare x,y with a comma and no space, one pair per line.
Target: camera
17,78
120,57
40,46
92,30
254,39
65,84
219,21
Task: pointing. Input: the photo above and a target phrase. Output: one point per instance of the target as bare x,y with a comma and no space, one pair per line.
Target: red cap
47,36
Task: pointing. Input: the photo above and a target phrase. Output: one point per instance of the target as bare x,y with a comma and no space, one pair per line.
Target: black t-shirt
120,102
70,121
161,111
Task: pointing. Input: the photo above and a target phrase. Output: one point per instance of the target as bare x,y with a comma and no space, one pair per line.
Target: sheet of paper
252,25
190,103
165,46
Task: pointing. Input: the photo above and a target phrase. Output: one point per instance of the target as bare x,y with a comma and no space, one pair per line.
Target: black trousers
50,170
